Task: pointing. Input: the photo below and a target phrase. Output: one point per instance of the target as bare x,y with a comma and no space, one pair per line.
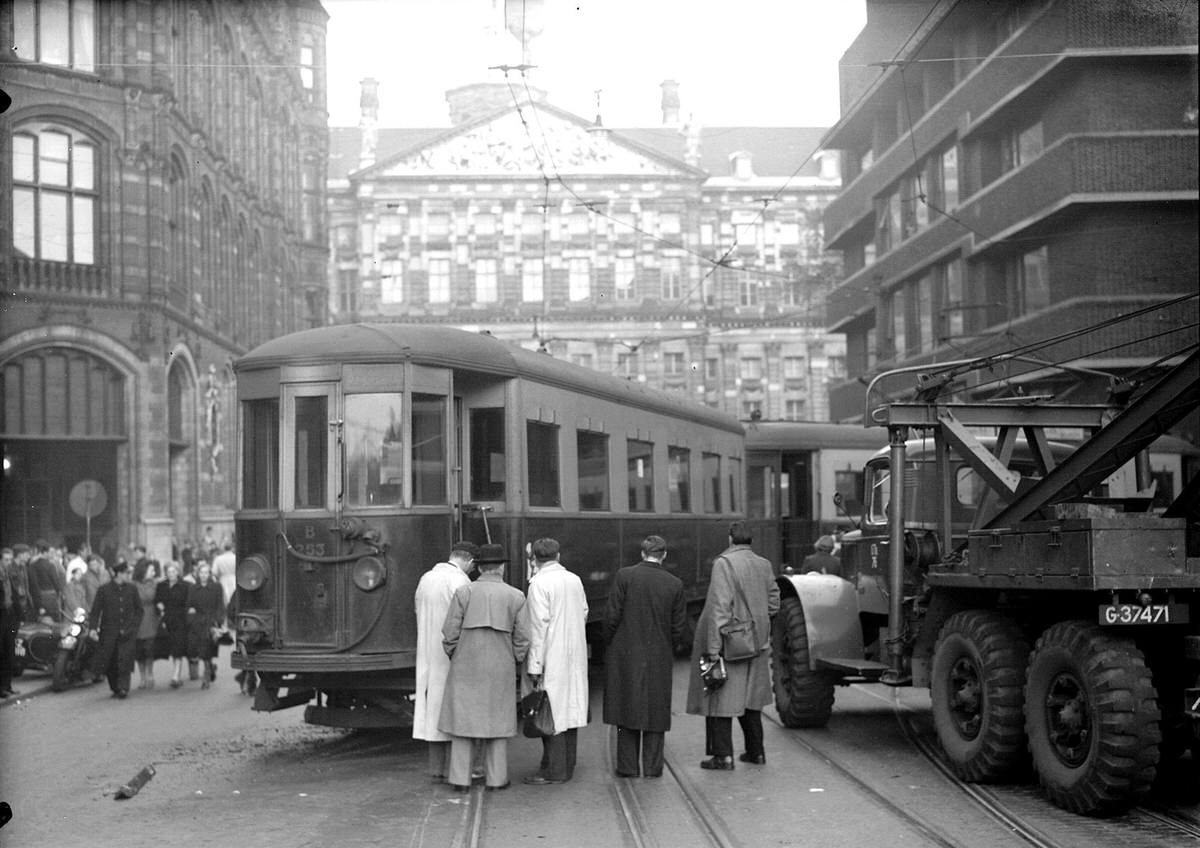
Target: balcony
36,275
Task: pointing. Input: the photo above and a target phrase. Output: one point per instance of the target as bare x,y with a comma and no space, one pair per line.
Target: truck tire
976,689
1091,714
61,679
803,697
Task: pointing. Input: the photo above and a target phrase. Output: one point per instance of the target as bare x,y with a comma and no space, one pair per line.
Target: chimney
368,121
670,103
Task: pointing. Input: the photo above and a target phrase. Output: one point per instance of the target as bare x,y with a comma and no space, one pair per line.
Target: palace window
55,198
579,280
487,288
439,280
55,32
672,278
623,276
532,271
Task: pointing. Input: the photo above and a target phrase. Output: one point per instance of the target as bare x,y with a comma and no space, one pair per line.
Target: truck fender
830,607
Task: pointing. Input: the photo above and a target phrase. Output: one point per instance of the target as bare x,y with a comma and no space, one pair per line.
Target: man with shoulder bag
735,625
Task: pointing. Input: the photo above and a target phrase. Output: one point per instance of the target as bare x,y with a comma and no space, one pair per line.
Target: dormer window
740,165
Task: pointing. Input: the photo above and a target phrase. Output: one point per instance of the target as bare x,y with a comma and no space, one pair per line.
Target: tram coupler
267,699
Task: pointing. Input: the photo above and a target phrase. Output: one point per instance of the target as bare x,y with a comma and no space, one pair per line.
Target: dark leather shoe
499,788
460,789
122,694
758,760
624,774
717,763
539,780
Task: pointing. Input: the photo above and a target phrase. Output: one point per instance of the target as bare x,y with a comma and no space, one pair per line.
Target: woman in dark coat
171,598
646,618
205,610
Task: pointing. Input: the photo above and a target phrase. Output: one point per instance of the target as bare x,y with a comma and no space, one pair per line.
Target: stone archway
182,447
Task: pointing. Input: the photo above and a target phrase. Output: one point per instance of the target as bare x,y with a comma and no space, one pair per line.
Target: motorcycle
72,663
36,646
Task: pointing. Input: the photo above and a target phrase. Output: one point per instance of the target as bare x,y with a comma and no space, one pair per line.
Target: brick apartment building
1015,173
163,175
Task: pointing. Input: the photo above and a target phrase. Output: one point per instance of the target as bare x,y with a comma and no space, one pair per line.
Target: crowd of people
483,645
138,610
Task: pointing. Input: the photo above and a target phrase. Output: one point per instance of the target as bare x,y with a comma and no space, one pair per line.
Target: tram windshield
374,449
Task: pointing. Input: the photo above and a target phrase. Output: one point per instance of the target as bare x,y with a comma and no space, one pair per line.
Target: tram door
799,526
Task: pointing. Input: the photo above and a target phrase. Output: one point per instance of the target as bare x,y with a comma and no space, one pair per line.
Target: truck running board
868,669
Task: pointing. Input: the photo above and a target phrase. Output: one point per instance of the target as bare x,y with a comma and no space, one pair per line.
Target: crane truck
1055,624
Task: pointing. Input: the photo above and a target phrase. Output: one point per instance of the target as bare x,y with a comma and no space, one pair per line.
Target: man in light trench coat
432,600
748,687
485,640
556,610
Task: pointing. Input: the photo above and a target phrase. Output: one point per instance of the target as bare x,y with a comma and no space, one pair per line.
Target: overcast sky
738,62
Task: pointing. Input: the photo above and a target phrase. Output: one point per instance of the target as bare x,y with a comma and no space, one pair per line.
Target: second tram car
368,449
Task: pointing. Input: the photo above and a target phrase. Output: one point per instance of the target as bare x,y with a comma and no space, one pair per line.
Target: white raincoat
556,610
432,600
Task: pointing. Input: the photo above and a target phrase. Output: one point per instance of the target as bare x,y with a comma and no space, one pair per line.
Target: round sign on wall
88,498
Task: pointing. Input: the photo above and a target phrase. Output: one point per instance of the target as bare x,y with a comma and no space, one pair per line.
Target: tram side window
735,476
541,442
679,478
760,492
260,454
374,449
592,455
487,454
712,482
312,451
641,475
429,449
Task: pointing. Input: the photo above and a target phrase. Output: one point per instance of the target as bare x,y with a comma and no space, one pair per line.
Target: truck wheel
975,687
1091,713
60,679
803,697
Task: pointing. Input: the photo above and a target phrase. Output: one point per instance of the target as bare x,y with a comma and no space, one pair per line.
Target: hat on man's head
120,567
654,545
490,555
825,543
469,548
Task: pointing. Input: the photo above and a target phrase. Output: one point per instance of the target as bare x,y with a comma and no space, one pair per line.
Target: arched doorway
64,425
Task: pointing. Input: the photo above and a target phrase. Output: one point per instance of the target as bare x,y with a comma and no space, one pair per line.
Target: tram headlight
369,573
253,572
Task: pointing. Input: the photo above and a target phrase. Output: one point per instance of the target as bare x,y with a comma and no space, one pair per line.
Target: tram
793,471
367,449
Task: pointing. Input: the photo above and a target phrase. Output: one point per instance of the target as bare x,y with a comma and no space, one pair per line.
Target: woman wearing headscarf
145,577
205,611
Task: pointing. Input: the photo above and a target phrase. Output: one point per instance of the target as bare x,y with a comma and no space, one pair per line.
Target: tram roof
449,347
810,435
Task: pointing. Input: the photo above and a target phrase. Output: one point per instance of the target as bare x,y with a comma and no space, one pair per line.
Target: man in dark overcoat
115,617
748,686
645,619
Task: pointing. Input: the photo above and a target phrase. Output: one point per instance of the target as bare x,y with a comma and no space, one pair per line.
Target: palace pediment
547,141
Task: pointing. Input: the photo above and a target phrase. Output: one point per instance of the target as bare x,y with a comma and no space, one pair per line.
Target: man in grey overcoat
645,619
748,687
484,640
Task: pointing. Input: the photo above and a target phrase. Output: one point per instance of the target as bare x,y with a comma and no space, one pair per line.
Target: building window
54,194
751,409
794,368
627,364
531,280
748,291
437,226
592,454
307,69
1029,281
488,458
672,278
579,223
485,224
712,368
347,289
583,360
531,225
1021,147
391,281
390,230
640,466
747,227
923,307
673,365
439,280
623,275
542,449
899,324
949,179
795,410
579,280
950,297
487,288
679,479
669,223
751,368
59,33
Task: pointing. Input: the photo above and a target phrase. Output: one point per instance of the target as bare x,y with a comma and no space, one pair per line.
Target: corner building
1017,172
164,177
687,258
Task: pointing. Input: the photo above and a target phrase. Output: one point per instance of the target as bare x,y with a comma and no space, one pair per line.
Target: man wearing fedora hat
485,641
432,600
